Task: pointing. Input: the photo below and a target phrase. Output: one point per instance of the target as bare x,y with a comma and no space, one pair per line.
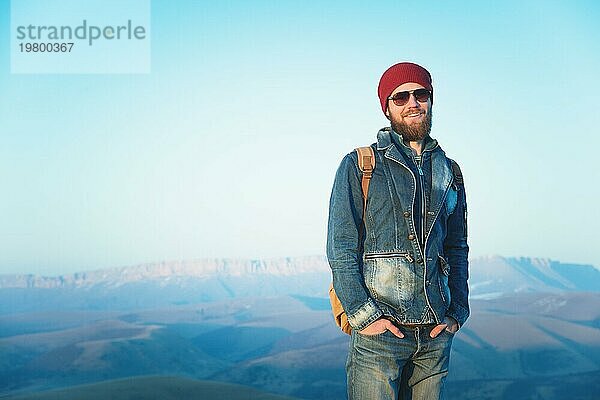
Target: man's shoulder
366,147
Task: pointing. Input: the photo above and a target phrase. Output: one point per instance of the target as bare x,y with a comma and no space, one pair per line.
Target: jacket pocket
391,254
443,280
391,279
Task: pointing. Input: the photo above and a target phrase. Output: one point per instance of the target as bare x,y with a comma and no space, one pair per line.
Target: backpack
366,164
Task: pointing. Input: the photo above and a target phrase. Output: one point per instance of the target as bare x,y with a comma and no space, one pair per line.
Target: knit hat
399,74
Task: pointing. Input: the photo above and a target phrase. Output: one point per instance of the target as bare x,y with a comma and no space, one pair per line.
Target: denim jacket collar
384,139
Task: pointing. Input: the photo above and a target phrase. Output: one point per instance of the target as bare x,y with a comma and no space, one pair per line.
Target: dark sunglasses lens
422,95
401,98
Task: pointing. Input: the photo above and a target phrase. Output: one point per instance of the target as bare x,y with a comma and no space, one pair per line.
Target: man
400,271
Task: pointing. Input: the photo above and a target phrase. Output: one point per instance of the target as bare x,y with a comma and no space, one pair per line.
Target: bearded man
400,266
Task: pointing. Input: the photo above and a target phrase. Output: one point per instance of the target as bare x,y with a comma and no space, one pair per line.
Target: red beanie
399,74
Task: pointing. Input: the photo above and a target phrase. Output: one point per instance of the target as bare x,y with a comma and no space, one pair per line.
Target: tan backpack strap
366,163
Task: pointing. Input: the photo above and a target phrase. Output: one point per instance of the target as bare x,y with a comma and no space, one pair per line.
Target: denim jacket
381,268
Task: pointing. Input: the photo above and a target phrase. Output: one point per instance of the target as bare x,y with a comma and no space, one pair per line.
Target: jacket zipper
407,256
423,198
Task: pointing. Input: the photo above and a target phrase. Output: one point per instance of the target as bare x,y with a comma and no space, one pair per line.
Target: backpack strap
458,176
366,164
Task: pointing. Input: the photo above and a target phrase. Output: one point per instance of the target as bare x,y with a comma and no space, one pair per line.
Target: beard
413,132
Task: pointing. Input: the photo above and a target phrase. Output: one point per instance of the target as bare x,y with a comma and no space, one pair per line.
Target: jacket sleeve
344,250
456,250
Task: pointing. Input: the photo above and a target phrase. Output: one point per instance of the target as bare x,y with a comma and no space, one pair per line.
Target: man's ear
387,114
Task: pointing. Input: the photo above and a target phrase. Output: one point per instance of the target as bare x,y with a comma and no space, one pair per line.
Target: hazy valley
534,330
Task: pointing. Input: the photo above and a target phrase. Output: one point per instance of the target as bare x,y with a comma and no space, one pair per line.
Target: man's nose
412,101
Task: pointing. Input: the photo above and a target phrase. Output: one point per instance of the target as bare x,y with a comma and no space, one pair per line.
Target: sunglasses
401,98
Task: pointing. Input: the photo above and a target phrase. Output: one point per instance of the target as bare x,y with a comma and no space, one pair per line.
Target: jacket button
411,236
406,214
427,283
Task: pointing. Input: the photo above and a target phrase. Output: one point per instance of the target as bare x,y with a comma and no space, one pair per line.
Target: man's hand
449,324
380,326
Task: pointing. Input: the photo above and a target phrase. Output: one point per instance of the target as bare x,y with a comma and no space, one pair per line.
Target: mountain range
534,329
209,280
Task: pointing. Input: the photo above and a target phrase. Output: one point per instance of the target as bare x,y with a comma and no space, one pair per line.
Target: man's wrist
365,315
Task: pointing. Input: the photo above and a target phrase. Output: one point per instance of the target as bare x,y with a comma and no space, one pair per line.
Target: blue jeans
385,367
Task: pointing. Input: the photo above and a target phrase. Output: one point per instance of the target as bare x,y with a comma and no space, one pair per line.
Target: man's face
413,119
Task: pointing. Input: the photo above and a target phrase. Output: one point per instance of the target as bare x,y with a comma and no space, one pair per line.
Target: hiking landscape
261,329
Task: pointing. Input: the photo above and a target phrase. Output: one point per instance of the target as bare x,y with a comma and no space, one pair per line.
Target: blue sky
228,147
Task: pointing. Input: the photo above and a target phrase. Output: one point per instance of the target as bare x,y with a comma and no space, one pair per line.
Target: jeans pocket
448,332
374,336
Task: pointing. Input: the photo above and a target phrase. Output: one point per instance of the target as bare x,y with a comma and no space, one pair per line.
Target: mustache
413,112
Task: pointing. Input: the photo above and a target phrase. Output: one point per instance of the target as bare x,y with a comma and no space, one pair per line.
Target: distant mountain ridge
494,275
488,274
205,268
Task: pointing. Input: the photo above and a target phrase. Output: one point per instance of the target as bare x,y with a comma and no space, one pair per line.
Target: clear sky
228,147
